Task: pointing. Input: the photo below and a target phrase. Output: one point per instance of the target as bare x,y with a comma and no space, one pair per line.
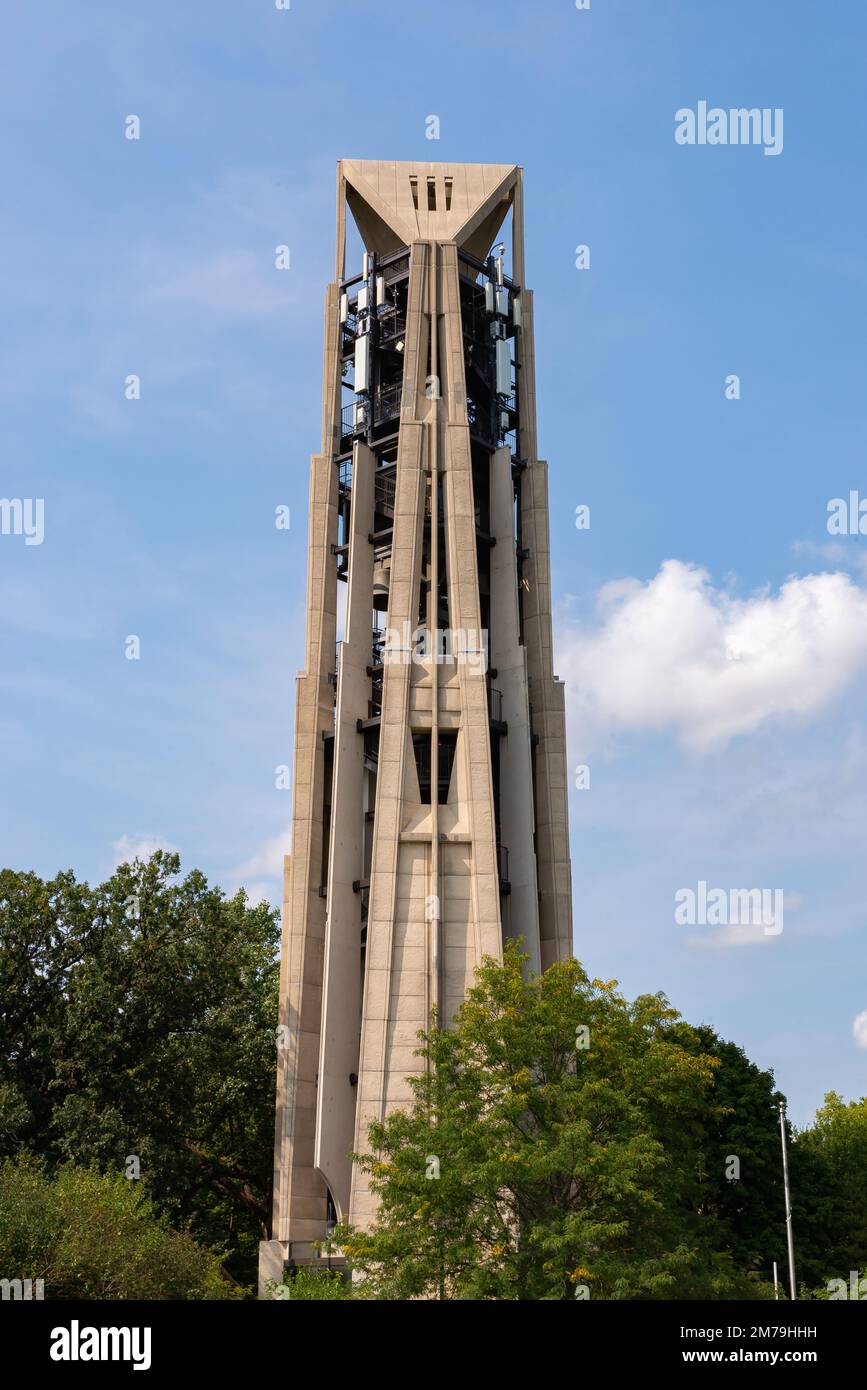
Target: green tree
39,926
532,1166
97,1236
138,1023
829,1193
741,1122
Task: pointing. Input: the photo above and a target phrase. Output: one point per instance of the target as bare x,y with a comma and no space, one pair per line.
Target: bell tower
429,812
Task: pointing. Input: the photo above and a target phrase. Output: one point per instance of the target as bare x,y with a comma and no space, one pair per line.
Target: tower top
397,202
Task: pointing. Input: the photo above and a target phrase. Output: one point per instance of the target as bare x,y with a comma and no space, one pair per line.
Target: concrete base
273,1255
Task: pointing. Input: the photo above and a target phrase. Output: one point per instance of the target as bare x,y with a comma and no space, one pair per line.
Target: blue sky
721,713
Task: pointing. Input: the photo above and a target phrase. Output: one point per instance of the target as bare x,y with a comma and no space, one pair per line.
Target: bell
381,578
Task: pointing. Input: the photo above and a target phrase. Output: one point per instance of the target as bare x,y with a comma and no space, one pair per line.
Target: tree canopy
555,1148
138,1023
563,1141
830,1192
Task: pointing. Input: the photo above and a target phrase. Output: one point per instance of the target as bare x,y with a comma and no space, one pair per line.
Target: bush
310,1284
96,1236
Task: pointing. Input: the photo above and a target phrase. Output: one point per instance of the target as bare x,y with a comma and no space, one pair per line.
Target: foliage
138,1020
311,1285
97,1236
742,1122
830,1193
528,1167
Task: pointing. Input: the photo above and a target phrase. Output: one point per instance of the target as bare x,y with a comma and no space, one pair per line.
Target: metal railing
395,264
476,326
392,325
348,332
348,421
510,405
384,487
471,266
378,642
385,404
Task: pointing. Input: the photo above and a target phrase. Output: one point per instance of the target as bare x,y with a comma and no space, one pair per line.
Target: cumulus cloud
678,654
859,1028
265,862
262,893
261,875
140,847
848,554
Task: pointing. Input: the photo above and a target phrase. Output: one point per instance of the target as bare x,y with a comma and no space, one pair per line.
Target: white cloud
715,938
264,863
261,876
847,555
678,654
262,893
734,934
141,847
859,1028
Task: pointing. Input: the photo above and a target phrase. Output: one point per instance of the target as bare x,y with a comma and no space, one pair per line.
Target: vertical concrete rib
391,1017
299,1192
341,1002
509,658
547,695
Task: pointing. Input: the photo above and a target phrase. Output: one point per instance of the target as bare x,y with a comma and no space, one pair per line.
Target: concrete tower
429,812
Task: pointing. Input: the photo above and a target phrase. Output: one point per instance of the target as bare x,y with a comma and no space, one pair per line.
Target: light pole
789,1240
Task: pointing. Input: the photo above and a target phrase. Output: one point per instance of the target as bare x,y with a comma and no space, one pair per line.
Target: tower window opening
449,183
431,195
447,743
421,743
421,747
413,183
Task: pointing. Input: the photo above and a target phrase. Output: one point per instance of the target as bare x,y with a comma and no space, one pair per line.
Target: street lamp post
789,1240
